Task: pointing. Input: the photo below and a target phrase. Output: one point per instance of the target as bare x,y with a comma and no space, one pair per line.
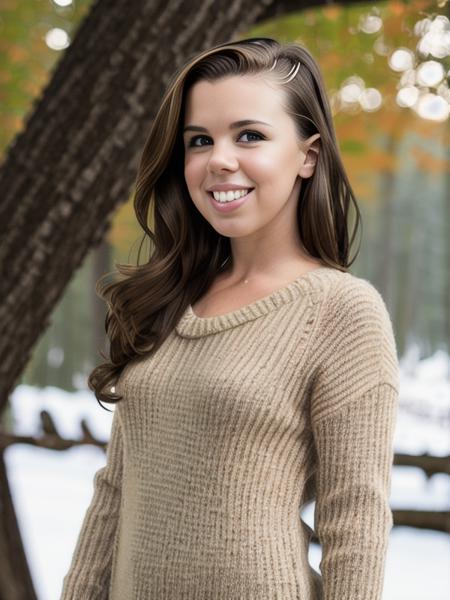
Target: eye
255,133
192,142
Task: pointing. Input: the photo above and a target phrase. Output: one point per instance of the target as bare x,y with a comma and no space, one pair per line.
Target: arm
90,570
353,414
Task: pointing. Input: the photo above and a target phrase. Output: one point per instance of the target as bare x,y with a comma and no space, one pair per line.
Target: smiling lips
226,187
237,200
230,195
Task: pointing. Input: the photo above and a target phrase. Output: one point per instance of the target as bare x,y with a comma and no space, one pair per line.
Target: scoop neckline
191,325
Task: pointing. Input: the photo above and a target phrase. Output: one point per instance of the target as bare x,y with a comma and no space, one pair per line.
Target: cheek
187,170
193,176
263,166
275,169
192,172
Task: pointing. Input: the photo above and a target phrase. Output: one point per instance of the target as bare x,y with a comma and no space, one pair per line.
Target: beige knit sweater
227,431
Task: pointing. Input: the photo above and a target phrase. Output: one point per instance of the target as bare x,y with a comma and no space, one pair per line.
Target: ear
310,148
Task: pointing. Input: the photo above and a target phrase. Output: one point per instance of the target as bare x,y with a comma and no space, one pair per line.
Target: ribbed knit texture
227,431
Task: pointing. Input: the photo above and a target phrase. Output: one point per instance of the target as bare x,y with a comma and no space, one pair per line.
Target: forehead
233,96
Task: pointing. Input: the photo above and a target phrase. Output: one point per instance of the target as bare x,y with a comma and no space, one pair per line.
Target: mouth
229,206
232,200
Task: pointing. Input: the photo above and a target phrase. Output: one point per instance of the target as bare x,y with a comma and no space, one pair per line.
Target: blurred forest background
391,110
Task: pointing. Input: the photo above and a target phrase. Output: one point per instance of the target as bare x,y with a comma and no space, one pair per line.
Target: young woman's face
266,157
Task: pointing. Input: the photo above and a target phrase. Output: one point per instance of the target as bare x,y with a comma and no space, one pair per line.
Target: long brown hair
145,301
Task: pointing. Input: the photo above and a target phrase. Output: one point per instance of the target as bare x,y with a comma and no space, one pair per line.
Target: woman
254,372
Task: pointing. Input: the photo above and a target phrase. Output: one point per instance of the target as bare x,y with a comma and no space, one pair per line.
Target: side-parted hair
145,301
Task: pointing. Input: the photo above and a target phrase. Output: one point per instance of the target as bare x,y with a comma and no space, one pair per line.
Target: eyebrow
235,125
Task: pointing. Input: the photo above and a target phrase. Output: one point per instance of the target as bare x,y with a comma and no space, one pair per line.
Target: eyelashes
192,144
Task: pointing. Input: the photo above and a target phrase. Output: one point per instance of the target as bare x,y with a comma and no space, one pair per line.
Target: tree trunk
75,162
15,577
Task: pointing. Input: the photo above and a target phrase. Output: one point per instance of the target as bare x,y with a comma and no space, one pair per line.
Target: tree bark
74,163
15,577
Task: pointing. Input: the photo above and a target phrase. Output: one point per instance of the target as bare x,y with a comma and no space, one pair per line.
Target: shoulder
356,329
348,296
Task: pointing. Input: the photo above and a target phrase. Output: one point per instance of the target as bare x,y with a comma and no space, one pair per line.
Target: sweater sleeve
353,415
90,570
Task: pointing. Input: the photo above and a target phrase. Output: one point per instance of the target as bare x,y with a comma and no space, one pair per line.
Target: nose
222,158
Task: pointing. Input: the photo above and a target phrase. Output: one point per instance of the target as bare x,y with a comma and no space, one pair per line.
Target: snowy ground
51,490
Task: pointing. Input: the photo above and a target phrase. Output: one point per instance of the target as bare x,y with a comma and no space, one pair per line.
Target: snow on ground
52,490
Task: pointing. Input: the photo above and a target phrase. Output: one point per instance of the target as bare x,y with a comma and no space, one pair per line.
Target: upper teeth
230,195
